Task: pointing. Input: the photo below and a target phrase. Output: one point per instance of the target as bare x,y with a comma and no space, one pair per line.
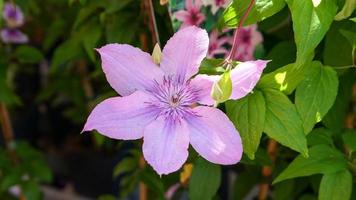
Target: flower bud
222,88
157,54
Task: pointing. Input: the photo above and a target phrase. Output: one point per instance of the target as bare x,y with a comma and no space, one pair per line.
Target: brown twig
151,20
6,127
142,186
237,31
267,170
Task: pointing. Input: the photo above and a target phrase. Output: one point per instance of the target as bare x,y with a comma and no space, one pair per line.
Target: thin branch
237,31
267,170
6,127
148,7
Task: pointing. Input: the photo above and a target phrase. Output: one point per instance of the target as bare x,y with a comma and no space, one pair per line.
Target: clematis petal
184,52
121,117
203,84
128,69
245,76
214,137
165,145
14,36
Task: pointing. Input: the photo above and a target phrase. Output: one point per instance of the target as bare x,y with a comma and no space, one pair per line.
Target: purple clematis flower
166,106
13,15
14,36
192,16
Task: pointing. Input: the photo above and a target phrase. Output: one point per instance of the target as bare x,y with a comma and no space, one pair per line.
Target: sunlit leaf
310,24
261,10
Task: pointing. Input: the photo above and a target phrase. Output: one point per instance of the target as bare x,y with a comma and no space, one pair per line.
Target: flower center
173,97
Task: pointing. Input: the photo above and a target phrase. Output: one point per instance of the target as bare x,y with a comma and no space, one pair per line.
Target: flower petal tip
261,64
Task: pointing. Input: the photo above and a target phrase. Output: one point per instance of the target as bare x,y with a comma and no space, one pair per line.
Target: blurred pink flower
13,15
216,4
166,106
216,44
249,38
13,36
192,16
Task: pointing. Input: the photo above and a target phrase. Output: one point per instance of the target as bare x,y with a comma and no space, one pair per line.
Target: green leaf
114,31
53,33
91,38
350,36
107,197
316,94
67,51
284,79
335,118
28,54
1,7
307,197
261,159
125,165
338,50
310,24
336,186
31,190
99,139
322,160
211,66
248,115
39,170
283,122
7,95
222,89
10,179
117,5
260,11
153,182
205,180
88,11
284,190
349,138
347,9
320,136
281,54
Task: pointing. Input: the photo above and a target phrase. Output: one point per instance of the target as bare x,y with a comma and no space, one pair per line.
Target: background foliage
297,127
